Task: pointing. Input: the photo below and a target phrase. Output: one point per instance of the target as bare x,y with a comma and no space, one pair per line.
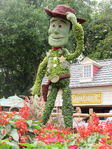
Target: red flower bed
18,131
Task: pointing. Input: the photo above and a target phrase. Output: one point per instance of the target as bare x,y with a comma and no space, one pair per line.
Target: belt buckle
54,79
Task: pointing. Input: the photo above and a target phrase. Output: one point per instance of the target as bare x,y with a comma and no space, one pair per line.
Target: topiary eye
59,25
53,25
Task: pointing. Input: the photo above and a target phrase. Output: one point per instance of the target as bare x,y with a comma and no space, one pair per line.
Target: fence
87,115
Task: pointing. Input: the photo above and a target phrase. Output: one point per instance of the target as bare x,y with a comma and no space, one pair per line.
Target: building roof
12,101
102,78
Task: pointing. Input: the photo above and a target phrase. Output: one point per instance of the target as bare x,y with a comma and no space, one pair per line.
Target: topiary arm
79,36
39,77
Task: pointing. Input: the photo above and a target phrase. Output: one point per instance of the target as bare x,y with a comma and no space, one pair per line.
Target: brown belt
64,76
45,87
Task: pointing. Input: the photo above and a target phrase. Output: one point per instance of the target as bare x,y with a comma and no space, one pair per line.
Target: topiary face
59,32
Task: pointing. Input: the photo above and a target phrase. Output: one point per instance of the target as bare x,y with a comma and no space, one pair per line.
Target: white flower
54,65
55,58
62,59
48,54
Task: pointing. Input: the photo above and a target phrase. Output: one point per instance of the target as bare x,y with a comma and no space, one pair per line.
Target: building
91,85
11,103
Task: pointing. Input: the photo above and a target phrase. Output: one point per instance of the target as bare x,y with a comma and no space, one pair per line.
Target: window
87,71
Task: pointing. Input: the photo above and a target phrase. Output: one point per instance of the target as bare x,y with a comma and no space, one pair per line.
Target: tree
22,44
99,33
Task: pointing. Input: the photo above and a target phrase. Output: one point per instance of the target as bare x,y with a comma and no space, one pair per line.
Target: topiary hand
71,17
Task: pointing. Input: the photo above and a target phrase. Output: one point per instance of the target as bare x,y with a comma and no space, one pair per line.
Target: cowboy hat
60,11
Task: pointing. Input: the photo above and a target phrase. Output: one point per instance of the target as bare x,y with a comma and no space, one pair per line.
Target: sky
101,0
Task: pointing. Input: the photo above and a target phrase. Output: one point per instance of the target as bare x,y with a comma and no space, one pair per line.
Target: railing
87,115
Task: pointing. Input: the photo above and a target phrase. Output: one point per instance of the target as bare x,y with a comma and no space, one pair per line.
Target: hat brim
60,15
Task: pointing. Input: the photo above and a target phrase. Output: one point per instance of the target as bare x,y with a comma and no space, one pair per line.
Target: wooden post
91,113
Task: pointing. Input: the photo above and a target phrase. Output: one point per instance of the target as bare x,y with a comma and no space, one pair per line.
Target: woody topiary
56,64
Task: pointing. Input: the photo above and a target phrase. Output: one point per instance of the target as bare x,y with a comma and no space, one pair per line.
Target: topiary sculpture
56,64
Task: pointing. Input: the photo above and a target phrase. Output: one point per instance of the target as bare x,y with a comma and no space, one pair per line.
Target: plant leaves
8,127
14,134
29,123
13,145
5,144
56,146
37,127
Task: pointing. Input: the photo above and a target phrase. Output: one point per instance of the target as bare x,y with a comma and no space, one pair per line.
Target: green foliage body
56,64
67,109
54,58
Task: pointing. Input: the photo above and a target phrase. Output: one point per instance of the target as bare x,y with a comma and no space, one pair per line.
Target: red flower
24,112
73,147
23,139
10,138
35,131
4,131
50,140
93,126
5,122
103,140
3,119
105,147
22,127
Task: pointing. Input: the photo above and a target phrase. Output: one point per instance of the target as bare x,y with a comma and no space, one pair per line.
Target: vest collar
57,48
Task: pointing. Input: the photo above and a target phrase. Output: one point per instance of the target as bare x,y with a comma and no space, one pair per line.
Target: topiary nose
56,30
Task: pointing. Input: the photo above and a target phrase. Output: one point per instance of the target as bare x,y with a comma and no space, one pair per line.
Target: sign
87,98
